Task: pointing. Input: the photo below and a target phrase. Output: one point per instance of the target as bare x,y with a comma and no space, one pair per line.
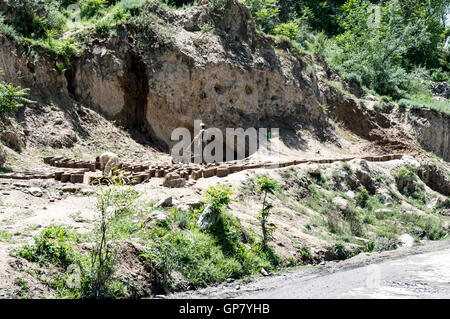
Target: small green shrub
432,227
383,243
12,97
266,186
407,181
91,8
362,197
54,245
340,250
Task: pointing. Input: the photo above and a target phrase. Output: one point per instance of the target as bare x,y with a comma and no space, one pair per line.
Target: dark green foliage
91,8
340,250
54,245
34,18
12,97
266,186
408,182
362,197
432,227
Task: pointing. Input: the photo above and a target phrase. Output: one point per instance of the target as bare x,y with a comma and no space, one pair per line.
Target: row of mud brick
70,163
136,173
143,172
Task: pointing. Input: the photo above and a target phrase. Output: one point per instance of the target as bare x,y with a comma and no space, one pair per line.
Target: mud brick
65,177
233,169
55,159
136,179
78,165
196,174
222,171
145,167
137,168
151,172
324,161
398,156
70,164
91,167
47,159
97,165
58,175
209,172
145,176
76,178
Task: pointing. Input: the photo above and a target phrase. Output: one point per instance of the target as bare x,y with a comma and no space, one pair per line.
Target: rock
366,180
184,208
14,138
70,189
364,164
35,191
173,180
156,218
207,218
195,204
350,194
405,240
410,160
340,202
264,272
166,202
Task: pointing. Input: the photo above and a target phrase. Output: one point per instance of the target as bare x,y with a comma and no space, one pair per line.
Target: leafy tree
265,186
12,97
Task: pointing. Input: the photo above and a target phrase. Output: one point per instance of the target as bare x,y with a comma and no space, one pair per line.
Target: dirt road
417,272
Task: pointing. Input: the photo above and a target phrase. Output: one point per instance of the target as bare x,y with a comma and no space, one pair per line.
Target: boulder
207,218
405,240
165,202
195,203
183,207
340,202
35,191
173,180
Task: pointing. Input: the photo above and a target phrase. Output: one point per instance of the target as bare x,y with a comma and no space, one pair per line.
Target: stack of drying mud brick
137,172
71,171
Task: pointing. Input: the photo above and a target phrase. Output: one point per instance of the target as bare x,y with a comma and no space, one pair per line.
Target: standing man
108,162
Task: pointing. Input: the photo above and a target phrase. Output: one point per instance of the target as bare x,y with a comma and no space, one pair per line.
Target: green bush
432,227
408,183
54,245
92,8
383,243
12,97
266,186
340,250
34,18
265,13
6,29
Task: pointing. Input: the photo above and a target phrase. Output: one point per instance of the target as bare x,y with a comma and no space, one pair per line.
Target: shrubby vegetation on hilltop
394,48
